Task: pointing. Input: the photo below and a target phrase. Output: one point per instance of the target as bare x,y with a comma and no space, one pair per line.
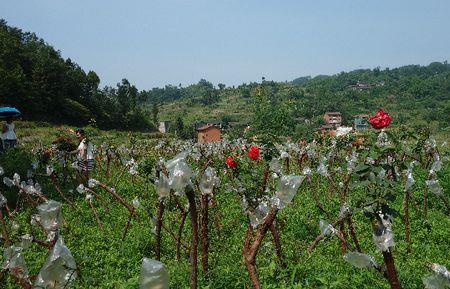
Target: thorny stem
204,234
316,198
159,218
180,232
342,198
96,215
98,197
391,271
277,243
353,233
253,242
425,205
4,230
55,184
127,226
407,223
194,229
119,198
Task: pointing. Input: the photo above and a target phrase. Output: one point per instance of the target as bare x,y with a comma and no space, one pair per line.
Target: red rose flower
253,153
381,120
230,162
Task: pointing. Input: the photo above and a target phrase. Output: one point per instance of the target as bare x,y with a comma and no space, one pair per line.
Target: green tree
155,112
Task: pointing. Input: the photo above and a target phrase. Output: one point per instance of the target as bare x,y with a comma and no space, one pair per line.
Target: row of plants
347,177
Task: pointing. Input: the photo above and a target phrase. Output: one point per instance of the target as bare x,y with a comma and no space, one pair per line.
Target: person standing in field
9,138
85,155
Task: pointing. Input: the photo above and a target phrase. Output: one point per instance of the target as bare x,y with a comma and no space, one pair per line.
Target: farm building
163,126
361,122
333,118
208,133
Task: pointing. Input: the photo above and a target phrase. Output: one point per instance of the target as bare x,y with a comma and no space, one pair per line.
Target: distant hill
44,86
414,94
301,80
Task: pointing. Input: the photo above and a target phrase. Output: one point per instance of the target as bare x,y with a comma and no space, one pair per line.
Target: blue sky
157,42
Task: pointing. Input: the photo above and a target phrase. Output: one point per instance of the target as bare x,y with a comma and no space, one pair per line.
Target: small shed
208,133
163,126
361,122
333,118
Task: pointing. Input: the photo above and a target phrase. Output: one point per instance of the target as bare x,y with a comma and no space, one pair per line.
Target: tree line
45,87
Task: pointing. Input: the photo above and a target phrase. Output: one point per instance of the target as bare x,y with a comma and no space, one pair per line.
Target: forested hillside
45,87
415,95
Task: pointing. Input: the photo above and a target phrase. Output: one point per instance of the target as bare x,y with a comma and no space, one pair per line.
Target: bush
14,161
75,113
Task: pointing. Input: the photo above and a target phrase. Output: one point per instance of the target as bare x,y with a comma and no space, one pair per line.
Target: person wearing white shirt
85,155
9,138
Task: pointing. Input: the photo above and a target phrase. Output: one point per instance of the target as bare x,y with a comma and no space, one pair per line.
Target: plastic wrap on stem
434,187
286,190
59,269
162,186
259,214
153,275
15,262
360,260
208,181
50,215
326,228
383,236
440,280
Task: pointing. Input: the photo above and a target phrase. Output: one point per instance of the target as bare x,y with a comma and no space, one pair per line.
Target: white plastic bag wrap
50,215
441,271
180,176
92,183
441,279
286,190
209,181
307,171
345,211
434,187
274,166
59,269
16,179
49,170
382,139
409,180
436,282
3,201
26,241
260,213
136,203
383,236
437,164
360,260
154,275
326,228
15,263
181,157
162,186
81,189
7,181
351,161
322,169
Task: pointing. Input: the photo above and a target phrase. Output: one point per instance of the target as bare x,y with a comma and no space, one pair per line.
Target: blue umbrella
7,111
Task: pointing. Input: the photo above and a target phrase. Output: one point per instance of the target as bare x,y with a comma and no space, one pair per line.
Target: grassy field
105,261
